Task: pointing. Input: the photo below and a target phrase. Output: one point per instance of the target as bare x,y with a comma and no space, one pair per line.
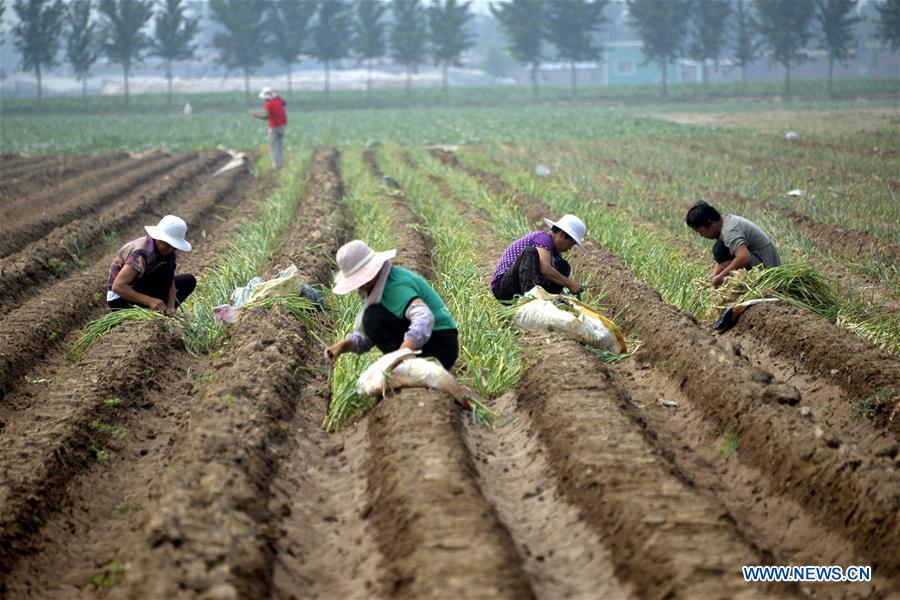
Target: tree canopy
173,37
570,28
836,19
522,21
710,20
663,29
447,22
889,23
242,43
369,34
331,34
746,44
409,36
82,48
785,27
38,34
124,40
288,24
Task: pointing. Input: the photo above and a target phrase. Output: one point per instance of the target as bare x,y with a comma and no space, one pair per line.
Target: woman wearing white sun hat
536,259
143,270
400,308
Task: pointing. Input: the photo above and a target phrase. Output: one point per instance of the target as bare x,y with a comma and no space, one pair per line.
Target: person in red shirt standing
274,112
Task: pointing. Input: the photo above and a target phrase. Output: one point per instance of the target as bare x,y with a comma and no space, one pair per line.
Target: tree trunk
665,76
705,75
37,72
573,77
787,80
743,76
830,73
246,86
169,83
369,80
444,78
84,91
290,91
125,70
408,80
327,80
534,82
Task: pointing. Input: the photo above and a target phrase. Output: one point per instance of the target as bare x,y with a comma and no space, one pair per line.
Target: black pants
386,331
157,283
525,273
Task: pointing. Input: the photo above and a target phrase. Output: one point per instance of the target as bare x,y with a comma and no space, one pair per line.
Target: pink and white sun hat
572,225
358,265
171,229
267,93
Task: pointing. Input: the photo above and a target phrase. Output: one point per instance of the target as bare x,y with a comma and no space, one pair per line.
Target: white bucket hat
267,93
358,265
171,229
571,225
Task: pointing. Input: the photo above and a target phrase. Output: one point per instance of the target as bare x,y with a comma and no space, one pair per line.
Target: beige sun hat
171,229
358,265
267,93
572,225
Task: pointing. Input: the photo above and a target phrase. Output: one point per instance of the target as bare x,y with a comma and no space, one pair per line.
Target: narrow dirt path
21,188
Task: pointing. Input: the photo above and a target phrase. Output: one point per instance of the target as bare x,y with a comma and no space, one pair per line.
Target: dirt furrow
78,241
17,166
42,450
31,331
18,189
85,536
560,554
210,529
25,224
844,483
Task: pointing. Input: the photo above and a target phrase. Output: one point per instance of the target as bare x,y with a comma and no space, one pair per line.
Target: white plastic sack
544,315
389,373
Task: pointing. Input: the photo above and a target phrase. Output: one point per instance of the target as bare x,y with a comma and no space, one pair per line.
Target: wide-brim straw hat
572,225
358,265
267,93
171,230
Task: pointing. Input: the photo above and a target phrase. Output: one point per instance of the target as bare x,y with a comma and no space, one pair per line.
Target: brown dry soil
18,186
832,479
181,476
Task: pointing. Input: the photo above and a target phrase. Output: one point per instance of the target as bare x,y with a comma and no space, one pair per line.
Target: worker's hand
332,353
577,289
716,280
157,305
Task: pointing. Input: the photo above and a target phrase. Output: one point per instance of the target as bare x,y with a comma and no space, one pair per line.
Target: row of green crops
654,256
246,257
490,353
376,221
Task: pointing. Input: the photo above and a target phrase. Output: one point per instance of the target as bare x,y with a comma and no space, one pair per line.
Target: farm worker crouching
143,270
740,243
400,309
273,110
536,259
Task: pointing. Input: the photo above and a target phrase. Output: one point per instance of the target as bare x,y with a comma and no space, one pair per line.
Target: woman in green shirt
400,309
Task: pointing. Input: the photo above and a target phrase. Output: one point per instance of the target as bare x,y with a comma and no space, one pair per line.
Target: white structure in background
187,108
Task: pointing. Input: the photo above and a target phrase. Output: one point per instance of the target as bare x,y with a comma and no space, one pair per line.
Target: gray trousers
276,149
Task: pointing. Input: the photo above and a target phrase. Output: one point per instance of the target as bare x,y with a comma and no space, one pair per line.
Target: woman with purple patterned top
536,259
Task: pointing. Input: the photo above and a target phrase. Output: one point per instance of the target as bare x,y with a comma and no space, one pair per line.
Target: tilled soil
180,476
18,186
830,473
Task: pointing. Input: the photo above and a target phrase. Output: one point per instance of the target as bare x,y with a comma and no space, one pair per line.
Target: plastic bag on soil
555,312
402,369
288,282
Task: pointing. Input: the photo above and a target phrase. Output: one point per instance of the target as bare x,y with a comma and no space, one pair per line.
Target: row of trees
698,29
334,30
249,32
